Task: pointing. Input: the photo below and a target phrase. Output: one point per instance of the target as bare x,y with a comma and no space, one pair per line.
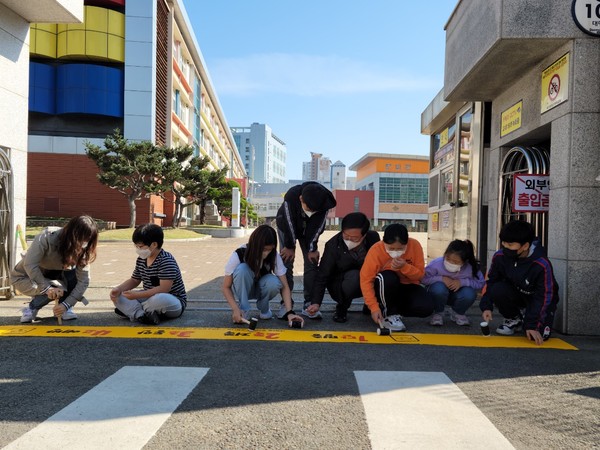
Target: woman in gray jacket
56,267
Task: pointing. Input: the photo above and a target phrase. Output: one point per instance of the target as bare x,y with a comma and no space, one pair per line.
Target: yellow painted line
289,335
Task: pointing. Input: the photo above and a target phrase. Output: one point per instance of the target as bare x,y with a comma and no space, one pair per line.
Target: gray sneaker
69,315
28,315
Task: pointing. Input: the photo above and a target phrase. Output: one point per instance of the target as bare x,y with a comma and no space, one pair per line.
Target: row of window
403,190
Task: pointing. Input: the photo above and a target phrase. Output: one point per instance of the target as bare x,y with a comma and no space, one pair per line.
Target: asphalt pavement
262,394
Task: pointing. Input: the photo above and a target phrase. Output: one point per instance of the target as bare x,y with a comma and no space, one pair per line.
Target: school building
132,65
400,188
514,135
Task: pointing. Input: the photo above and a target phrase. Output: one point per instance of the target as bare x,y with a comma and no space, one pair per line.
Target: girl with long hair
56,267
256,270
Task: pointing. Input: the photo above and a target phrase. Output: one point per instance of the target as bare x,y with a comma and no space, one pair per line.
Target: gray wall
511,43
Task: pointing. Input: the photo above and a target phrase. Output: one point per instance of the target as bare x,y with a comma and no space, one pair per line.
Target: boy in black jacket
339,269
521,277
302,218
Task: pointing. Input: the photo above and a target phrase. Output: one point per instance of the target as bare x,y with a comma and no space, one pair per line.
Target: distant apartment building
318,169
132,65
338,175
400,186
263,154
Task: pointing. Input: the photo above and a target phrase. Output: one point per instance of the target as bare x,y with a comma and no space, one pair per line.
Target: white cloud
306,75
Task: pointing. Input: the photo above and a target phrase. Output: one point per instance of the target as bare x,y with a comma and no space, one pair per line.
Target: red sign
531,193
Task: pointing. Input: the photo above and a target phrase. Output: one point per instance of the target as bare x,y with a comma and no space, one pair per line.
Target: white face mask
395,253
143,253
351,244
452,267
308,213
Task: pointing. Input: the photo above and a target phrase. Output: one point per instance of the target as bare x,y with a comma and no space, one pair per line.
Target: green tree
187,178
131,168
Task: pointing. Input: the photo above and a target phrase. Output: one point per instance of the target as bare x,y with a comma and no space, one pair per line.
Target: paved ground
260,394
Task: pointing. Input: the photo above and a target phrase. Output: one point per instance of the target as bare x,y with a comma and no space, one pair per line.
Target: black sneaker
509,326
118,312
341,314
149,318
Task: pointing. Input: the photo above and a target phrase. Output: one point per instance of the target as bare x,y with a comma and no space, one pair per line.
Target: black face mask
512,254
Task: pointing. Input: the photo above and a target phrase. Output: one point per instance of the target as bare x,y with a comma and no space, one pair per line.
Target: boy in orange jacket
390,279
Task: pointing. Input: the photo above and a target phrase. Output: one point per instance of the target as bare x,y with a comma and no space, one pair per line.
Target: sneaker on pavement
28,315
149,318
341,314
266,316
120,313
315,316
460,319
69,315
509,326
394,323
437,320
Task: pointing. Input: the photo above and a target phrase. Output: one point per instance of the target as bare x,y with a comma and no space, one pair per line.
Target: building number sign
586,14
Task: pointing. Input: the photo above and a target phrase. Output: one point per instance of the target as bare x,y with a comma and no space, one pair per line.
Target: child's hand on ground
535,336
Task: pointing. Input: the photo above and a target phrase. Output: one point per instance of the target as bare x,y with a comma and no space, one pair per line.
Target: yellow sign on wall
443,137
511,119
555,84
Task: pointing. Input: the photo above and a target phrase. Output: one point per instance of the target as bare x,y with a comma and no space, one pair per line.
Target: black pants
510,302
411,300
345,287
67,278
310,271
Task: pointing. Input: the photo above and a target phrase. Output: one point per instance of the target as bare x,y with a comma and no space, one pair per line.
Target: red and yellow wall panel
392,165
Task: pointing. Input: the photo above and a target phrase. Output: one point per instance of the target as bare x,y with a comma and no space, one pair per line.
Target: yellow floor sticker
289,335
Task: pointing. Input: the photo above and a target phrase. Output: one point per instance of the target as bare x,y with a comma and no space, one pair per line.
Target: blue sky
341,78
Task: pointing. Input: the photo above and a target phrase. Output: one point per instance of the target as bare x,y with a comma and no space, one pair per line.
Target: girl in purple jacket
453,280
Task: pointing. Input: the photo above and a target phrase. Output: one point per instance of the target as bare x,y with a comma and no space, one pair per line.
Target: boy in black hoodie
302,218
521,277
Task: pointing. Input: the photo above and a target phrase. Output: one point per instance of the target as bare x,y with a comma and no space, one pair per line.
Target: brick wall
66,185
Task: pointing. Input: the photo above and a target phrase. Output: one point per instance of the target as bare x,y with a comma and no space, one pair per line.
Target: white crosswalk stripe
122,412
423,410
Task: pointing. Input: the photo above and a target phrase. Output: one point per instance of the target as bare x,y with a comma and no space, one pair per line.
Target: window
356,204
446,187
403,190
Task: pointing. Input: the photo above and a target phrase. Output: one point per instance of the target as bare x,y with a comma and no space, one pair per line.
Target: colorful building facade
400,186
132,65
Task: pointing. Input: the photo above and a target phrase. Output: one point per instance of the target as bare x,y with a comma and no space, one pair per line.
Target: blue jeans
245,287
165,304
461,300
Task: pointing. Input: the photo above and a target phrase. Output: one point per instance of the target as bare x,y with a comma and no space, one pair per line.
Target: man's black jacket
337,260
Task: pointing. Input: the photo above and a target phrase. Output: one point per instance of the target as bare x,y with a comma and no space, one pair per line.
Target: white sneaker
29,315
69,315
266,316
509,326
460,319
437,320
314,316
394,323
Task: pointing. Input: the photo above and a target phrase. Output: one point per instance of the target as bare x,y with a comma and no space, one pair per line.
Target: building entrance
524,161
